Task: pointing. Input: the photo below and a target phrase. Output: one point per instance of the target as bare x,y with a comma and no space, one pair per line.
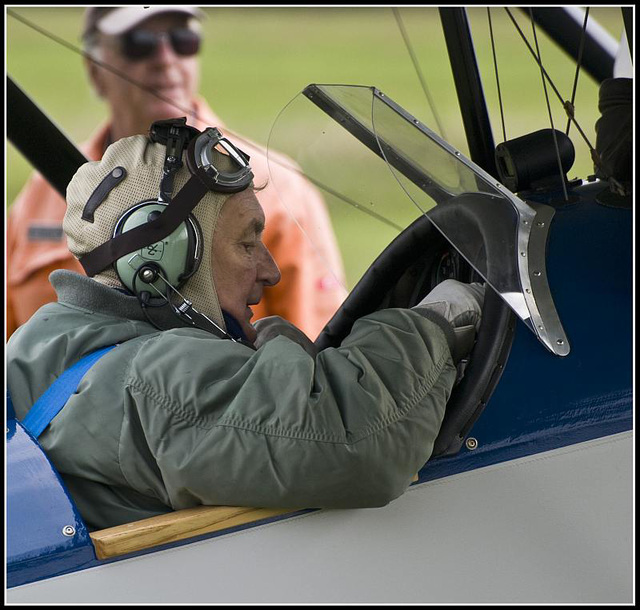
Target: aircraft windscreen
379,169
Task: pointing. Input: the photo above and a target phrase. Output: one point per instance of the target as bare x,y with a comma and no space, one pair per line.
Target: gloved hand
274,326
461,305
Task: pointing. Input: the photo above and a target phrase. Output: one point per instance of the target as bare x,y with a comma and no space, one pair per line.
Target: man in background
156,49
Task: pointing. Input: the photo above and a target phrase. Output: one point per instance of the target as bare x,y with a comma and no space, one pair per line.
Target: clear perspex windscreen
378,169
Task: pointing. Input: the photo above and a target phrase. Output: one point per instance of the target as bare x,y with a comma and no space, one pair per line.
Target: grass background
256,59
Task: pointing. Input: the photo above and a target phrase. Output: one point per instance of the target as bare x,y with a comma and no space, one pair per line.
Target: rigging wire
555,89
195,116
495,65
416,66
571,107
546,95
97,62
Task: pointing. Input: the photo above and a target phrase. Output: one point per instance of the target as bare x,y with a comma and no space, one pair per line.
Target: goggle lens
142,44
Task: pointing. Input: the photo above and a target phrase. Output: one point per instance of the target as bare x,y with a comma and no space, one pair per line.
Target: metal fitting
69,530
471,443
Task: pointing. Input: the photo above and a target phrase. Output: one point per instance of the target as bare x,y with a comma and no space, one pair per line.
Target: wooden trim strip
175,526
178,525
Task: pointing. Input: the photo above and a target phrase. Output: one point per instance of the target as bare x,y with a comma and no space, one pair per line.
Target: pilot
194,404
157,48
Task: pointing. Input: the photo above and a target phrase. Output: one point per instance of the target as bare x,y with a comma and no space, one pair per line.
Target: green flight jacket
178,418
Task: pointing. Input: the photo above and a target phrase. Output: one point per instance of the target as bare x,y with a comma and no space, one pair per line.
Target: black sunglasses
142,44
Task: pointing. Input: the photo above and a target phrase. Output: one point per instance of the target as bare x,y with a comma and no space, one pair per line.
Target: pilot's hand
461,305
274,326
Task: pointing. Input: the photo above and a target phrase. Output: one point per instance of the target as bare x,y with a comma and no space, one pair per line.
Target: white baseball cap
116,20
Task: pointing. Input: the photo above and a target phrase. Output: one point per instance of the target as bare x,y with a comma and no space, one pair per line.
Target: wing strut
35,135
466,74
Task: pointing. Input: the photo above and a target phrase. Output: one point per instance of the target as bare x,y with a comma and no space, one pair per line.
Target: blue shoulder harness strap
57,394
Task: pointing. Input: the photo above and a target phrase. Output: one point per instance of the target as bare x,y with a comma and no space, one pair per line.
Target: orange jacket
312,284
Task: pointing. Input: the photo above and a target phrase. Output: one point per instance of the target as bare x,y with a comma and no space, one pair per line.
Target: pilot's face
241,264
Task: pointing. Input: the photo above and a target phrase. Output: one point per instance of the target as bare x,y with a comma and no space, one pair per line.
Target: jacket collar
81,291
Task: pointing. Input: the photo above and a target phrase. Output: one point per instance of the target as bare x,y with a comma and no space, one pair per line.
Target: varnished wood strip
179,525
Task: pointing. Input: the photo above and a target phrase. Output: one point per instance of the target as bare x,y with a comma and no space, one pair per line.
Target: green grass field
255,60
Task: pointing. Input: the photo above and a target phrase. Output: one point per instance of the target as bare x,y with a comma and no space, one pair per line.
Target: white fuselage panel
555,527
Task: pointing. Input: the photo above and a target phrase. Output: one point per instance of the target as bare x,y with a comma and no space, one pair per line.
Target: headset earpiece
194,254
175,258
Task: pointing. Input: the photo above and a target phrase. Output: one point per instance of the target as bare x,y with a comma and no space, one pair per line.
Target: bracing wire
416,66
548,79
571,109
194,115
546,95
495,65
104,65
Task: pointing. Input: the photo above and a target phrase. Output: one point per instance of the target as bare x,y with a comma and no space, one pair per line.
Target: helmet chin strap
177,212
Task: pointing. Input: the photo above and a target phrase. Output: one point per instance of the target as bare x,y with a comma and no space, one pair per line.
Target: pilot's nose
268,272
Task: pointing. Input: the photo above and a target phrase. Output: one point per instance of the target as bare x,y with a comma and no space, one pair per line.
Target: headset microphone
149,274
